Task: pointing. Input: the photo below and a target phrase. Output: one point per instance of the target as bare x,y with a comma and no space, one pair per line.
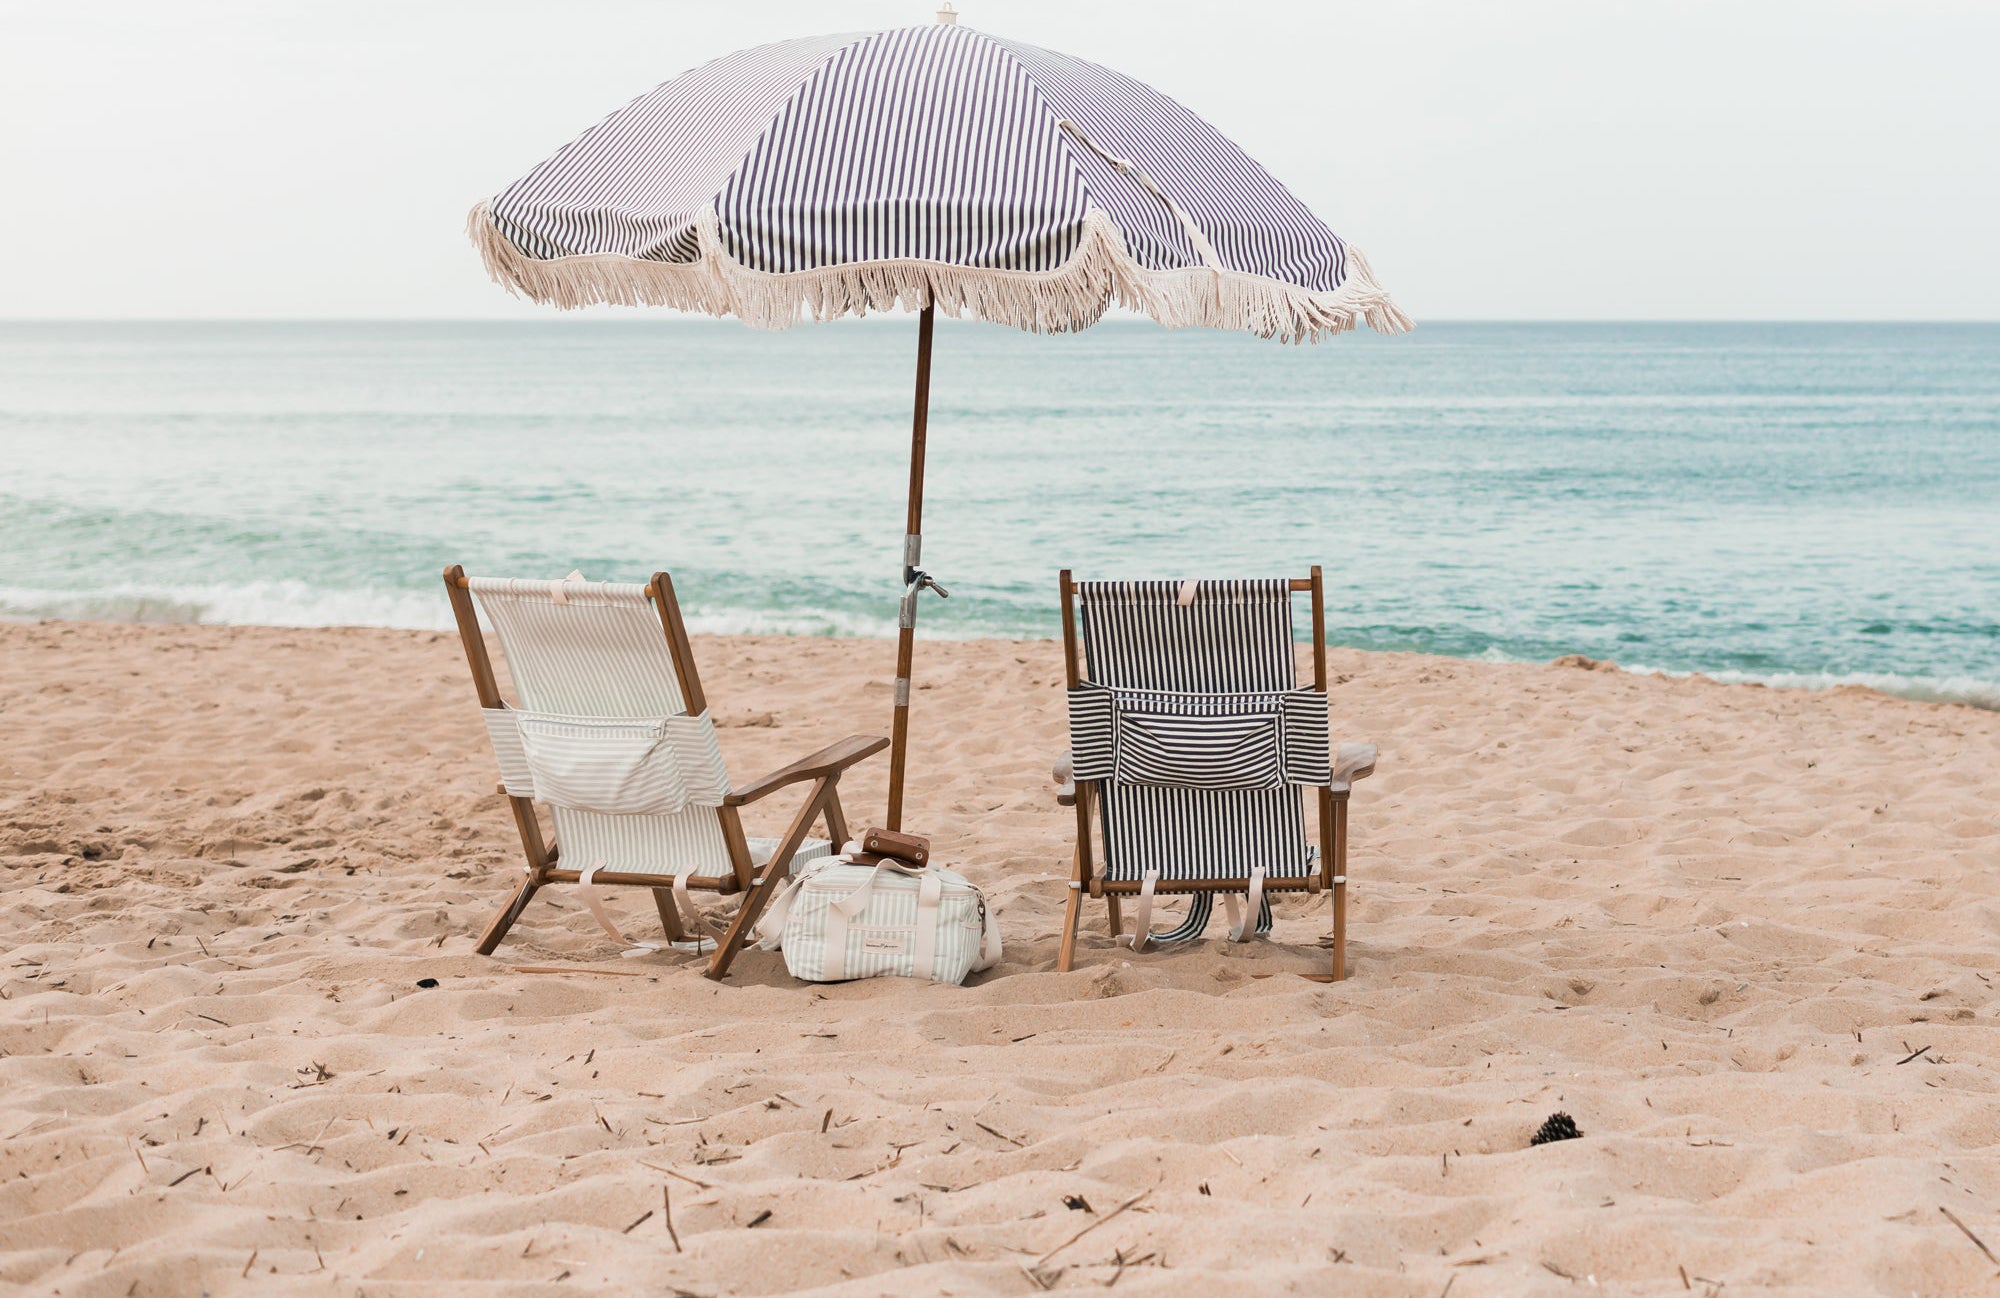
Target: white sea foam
296,604
1924,689
277,603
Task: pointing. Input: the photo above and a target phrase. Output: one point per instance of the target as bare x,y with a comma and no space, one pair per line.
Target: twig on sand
577,969
667,1210
1977,1242
1043,1259
1919,1051
703,1185
1017,1143
635,1225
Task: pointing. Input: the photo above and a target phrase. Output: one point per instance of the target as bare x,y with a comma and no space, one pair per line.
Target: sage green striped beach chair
610,732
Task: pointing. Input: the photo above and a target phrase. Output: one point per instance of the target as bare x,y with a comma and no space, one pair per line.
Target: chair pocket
1199,751
615,768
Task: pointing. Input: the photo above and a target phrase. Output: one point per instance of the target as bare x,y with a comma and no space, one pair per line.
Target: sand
1746,937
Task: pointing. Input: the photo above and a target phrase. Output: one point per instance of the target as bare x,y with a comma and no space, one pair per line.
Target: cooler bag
839,920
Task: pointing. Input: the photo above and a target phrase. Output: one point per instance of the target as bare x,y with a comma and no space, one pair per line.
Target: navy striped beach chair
1193,751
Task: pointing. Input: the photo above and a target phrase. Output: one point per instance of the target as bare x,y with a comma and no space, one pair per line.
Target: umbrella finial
947,16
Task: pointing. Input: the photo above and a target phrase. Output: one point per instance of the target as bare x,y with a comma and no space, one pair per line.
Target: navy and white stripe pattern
922,166
1200,740
1226,654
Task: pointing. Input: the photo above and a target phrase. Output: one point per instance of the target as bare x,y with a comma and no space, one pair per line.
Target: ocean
1799,504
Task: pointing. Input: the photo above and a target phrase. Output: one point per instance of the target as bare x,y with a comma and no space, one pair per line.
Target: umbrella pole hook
915,579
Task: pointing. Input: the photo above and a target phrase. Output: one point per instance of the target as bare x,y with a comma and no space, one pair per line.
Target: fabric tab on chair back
602,732
1193,724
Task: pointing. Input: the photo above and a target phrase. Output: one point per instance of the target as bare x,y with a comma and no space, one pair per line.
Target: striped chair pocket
1257,740
1199,752
612,766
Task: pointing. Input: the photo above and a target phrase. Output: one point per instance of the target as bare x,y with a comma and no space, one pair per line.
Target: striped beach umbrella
932,168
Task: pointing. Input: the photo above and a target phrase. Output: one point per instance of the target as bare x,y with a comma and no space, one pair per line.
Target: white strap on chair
1241,926
691,914
589,890
587,887
559,590
1142,915
1186,596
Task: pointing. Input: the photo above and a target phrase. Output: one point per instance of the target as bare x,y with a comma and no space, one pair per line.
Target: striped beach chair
1194,749
610,731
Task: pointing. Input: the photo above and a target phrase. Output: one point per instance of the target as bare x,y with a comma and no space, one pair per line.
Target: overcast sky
1761,159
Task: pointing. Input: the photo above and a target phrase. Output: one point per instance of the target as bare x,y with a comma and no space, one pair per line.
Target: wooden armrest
1352,762
1065,776
830,760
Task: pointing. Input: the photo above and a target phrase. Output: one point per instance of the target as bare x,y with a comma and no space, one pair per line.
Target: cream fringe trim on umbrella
1073,296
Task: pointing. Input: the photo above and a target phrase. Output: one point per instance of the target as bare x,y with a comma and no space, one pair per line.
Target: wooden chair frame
822,769
1083,795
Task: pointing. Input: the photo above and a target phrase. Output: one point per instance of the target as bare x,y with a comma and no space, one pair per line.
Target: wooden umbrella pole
914,578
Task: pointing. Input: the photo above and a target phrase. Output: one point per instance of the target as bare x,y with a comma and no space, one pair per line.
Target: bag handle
857,901
923,953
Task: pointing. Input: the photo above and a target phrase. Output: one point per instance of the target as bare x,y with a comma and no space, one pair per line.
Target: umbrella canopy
922,166
933,168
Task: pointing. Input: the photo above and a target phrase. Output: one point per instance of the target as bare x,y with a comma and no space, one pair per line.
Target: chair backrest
591,649
1189,671
581,651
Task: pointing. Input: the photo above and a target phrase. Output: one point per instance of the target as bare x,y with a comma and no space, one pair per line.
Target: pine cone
1560,1126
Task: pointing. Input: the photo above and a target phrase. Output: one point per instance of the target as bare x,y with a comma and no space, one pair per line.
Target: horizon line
671,317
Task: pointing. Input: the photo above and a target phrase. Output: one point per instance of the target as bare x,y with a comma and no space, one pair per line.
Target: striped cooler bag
840,920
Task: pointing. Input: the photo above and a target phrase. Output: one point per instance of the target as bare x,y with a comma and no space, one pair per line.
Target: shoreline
1959,690
1744,936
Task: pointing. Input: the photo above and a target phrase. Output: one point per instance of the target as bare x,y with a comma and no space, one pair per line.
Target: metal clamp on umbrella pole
915,582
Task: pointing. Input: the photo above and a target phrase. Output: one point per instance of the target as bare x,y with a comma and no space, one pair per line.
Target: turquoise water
1796,503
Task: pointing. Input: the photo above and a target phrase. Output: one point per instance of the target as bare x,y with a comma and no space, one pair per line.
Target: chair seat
811,850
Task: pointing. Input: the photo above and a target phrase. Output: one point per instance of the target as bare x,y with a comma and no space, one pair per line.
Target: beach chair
611,731
1194,748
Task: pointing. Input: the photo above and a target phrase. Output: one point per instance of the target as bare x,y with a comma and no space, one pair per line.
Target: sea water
1795,503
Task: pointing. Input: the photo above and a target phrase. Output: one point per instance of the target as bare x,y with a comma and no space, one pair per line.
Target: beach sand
1746,937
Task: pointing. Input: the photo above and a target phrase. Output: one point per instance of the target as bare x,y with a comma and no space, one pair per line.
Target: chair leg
670,915
1117,916
1072,914
505,919
1340,889
776,870
836,819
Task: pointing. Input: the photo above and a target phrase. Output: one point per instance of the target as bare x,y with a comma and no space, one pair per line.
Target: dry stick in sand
667,1210
1977,1242
1043,1259
557,969
703,1185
